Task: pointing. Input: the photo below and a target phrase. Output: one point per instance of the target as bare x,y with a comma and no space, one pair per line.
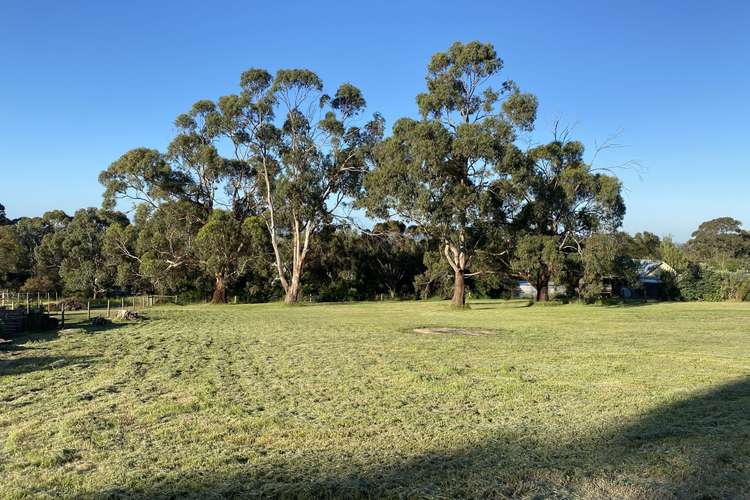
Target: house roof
649,271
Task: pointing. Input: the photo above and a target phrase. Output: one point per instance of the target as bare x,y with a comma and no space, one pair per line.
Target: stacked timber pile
15,321
11,322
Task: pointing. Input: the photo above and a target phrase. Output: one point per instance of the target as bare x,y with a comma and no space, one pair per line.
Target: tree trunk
459,289
542,289
220,291
292,293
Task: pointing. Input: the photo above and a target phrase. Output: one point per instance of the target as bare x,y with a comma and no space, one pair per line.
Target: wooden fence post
88,310
108,315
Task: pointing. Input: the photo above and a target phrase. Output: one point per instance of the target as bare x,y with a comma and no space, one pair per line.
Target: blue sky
83,82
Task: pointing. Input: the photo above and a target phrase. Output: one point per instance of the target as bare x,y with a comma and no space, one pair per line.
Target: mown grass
346,401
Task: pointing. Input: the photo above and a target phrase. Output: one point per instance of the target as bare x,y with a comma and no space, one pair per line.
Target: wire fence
71,309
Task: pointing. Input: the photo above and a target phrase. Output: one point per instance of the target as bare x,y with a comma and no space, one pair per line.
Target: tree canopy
440,172
287,188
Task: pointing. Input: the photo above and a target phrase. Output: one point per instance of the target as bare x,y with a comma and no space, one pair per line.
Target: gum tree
299,155
562,201
440,172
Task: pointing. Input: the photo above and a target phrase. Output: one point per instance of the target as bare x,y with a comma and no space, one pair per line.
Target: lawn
347,401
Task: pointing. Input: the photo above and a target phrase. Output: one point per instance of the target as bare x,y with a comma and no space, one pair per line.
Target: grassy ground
347,401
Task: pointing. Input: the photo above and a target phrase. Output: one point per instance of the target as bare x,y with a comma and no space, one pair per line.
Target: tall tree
562,200
720,242
299,155
440,172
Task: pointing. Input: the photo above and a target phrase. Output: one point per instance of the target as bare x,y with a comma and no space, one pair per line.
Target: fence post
108,308
88,310
62,317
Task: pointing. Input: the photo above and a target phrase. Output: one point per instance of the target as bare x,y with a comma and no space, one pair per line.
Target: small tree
84,268
223,248
442,173
537,259
604,259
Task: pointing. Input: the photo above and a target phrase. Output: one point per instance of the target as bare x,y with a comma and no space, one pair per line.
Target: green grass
346,401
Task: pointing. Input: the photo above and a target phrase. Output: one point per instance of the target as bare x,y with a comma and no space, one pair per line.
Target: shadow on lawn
697,448
28,364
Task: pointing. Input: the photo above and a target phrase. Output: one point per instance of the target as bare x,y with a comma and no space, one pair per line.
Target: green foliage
562,202
700,283
644,245
704,283
10,253
38,284
606,263
721,243
83,267
442,172
4,221
436,280
142,176
538,258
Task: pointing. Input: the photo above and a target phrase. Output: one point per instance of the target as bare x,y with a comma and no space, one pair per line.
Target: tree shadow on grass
27,364
478,305
696,448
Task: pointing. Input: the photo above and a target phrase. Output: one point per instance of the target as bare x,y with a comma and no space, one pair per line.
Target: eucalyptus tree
440,173
562,201
224,248
75,251
3,218
158,249
720,242
10,253
299,157
174,194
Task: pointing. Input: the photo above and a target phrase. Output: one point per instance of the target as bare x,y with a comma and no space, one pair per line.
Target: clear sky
83,82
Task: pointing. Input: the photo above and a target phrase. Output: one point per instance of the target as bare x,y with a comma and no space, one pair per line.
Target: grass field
347,401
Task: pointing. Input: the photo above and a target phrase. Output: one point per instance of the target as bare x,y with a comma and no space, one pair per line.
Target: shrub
708,284
38,284
70,304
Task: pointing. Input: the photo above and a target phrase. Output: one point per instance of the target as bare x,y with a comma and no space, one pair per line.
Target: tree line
265,194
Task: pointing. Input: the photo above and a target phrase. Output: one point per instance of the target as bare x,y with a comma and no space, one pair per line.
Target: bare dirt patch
474,332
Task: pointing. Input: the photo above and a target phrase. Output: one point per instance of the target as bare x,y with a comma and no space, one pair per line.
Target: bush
38,284
707,284
191,297
70,304
736,286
